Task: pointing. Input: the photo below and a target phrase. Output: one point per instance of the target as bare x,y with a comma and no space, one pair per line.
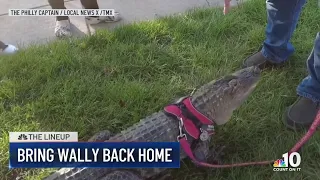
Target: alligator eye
229,78
233,82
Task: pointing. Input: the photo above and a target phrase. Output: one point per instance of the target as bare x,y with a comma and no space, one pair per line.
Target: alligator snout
248,72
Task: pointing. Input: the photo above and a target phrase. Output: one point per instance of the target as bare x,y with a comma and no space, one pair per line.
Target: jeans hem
308,96
272,59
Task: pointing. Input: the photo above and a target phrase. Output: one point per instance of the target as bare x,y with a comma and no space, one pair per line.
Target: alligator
216,100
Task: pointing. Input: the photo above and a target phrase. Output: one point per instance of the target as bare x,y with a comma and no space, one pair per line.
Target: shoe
10,49
301,114
63,28
259,60
96,20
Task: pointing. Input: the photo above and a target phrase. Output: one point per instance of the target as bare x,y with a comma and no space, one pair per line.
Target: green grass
113,79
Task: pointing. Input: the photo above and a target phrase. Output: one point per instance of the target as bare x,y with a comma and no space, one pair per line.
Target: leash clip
181,134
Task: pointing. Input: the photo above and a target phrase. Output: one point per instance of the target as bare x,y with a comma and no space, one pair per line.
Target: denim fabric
310,86
283,17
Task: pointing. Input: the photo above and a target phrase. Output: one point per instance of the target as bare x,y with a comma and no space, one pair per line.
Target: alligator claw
216,155
101,136
165,177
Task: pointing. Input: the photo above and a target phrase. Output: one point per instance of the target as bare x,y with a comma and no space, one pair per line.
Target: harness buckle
181,134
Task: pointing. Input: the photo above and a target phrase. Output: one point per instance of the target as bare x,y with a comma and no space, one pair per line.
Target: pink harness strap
188,124
202,118
189,127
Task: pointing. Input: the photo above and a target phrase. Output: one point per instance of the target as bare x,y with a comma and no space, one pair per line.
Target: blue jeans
282,20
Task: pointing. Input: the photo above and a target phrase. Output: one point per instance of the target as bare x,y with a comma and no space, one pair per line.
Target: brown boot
258,60
301,114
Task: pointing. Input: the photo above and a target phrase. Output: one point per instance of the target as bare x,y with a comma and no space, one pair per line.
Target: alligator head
218,99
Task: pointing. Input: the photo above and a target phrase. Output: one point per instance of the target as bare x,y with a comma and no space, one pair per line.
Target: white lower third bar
43,136
61,12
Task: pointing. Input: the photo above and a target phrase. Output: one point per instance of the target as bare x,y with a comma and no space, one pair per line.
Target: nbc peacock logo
22,137
279,163
289,162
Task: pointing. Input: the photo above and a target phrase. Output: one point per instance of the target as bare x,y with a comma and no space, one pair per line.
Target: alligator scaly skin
156,128
217,100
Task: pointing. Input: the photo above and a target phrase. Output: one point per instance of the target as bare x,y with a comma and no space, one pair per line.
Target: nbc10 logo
288,162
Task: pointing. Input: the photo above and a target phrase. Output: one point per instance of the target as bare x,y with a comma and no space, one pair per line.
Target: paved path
23,31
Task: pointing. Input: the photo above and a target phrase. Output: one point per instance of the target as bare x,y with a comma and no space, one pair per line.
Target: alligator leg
201,150
216,155
101,136
204,153
165,175
121,175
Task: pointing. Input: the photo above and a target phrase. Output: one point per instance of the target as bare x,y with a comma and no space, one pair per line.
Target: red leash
308,135
186,147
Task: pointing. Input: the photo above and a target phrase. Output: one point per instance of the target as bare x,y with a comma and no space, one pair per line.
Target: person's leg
58,4
63,27
2,45
302,113
90,4
93,4
283,17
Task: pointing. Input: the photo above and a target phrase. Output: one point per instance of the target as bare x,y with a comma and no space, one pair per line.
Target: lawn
113,79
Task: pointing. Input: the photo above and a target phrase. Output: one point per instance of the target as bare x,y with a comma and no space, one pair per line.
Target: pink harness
198,126
191,121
